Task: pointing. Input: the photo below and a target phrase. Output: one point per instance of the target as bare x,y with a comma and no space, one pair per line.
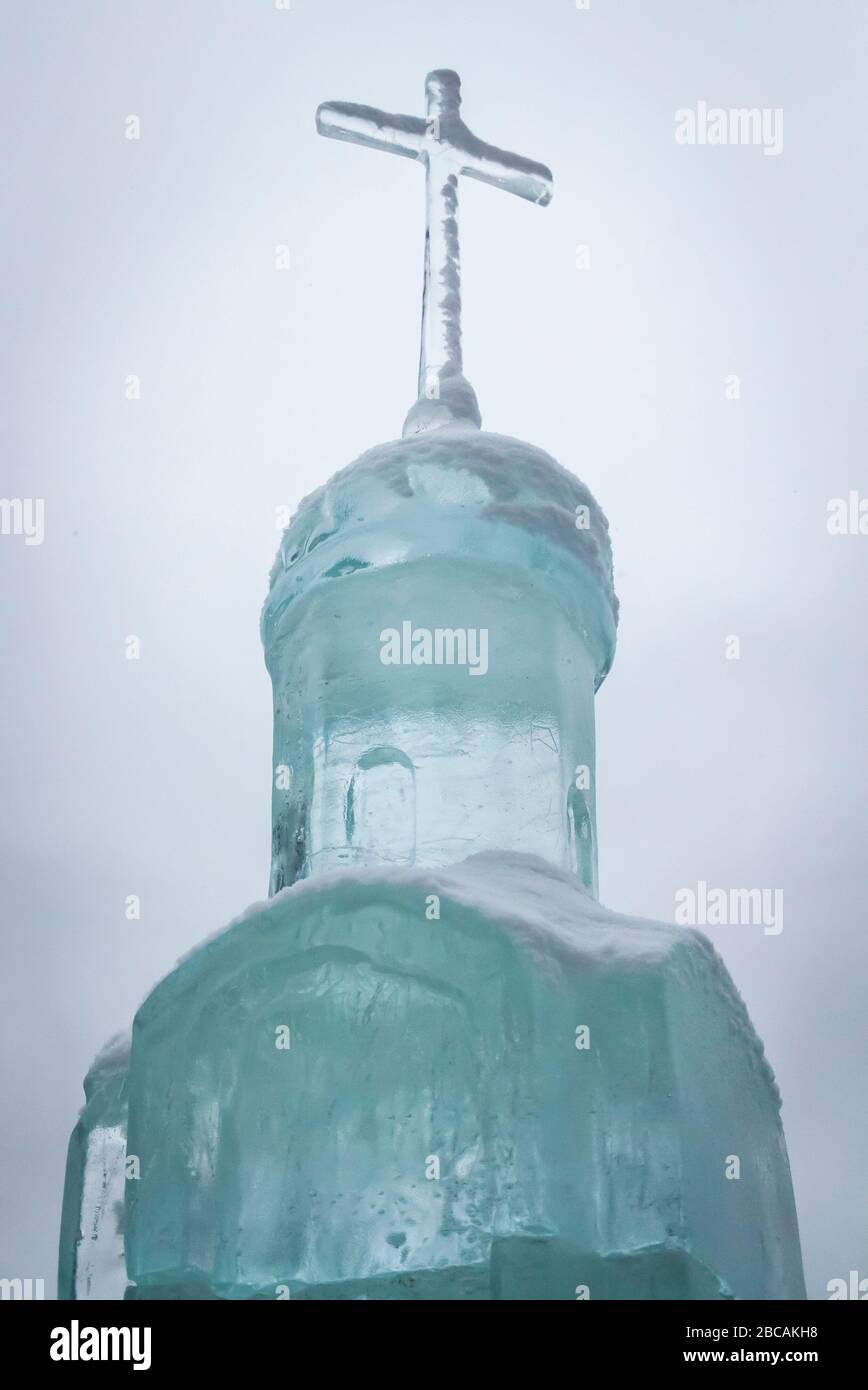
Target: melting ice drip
447,149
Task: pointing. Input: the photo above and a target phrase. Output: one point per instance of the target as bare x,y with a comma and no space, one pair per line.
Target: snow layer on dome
498,478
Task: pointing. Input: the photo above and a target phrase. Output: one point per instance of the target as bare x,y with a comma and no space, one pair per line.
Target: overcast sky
155,258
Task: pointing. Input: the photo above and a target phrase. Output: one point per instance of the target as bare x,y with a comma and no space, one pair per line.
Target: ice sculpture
92,1224
432,1066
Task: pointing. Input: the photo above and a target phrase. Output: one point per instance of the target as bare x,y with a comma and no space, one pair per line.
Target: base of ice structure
470,1082
520,1268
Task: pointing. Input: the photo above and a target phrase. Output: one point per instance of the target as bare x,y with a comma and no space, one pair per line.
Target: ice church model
431,1065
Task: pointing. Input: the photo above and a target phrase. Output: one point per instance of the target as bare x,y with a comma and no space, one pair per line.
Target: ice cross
447,148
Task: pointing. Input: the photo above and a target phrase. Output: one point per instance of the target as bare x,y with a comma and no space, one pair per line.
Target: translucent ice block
465,1082
91,1264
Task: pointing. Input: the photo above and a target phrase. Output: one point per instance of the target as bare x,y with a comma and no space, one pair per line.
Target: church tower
432,1066
442,612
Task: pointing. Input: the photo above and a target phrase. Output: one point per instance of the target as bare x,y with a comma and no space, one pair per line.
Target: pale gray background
157,258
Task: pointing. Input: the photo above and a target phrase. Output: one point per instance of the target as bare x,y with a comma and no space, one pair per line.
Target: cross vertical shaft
448,149
440,355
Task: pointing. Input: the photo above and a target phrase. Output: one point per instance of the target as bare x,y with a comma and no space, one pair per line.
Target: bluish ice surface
92,1224
432,1065
456,532
379,1085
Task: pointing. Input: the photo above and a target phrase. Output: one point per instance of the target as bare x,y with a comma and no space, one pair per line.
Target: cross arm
513,172
365,125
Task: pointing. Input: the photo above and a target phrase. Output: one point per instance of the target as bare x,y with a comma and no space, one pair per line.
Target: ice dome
469,538
462,493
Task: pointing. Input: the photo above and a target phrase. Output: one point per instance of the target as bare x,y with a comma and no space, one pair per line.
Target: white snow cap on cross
447,148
